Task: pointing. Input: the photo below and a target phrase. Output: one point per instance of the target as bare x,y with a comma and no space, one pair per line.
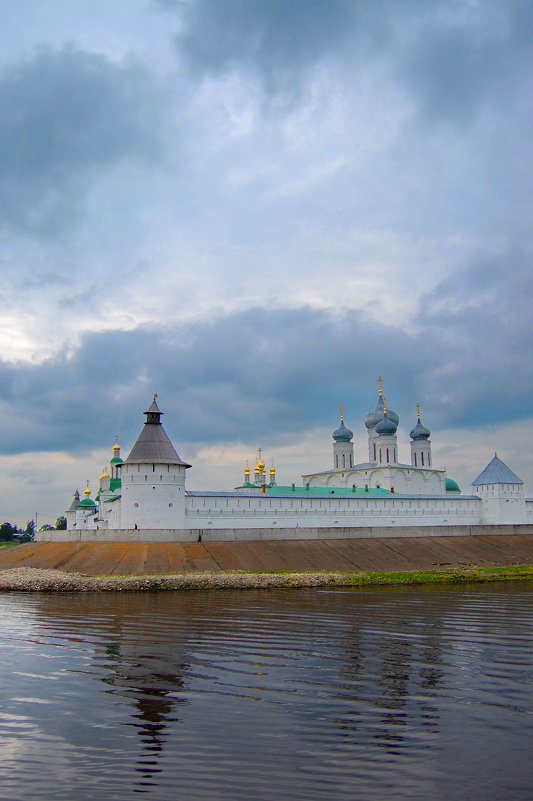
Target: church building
146,495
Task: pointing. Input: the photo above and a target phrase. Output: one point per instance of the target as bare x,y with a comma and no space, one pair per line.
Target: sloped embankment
388,554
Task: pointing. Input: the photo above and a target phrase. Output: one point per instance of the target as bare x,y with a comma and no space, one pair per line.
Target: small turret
384,444
342,445
420,444
375,418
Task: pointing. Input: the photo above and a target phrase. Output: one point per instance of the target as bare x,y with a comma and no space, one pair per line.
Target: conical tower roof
497,472
153,445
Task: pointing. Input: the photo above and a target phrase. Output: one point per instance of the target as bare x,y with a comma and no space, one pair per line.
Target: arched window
343,460
422,457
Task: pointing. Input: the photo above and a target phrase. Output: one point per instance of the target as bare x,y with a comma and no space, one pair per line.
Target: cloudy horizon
254,209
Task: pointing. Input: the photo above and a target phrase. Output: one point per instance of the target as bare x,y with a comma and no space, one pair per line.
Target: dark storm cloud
277,38
453,58
265,373
67,116
480,319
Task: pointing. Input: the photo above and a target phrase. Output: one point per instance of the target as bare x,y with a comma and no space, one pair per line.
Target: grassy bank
26,579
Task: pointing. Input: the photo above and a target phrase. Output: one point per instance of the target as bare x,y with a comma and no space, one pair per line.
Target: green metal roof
114,498
87,503
322,491
451,485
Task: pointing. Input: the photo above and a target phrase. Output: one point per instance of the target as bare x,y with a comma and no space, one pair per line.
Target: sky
254,208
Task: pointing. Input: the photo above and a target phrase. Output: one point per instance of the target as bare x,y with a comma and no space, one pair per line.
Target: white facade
148,491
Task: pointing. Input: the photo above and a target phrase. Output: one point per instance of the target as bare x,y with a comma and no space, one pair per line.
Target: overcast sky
254,208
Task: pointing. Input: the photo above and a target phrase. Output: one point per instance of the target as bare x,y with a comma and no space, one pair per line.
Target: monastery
145,496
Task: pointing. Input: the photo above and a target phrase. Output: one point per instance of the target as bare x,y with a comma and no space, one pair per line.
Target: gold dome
116,447
272,470
246,470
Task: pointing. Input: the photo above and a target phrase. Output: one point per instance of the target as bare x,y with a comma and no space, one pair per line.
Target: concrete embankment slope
387,554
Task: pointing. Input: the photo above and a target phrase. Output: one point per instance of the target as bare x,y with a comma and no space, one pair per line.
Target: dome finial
380,386
341,407
260,465
384,404
87,491
418,411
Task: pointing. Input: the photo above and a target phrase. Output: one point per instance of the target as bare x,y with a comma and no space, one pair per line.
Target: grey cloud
278,38
265,373
452,58
67,116
481,320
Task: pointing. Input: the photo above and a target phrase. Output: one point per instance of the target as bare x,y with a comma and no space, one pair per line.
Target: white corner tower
502,494
342,446
420,443
153,479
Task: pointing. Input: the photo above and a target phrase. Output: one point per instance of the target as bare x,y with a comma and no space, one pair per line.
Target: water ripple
420,693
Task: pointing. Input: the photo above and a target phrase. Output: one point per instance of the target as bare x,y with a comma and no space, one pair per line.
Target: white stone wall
254,512
502,503
153,495
421,453
342,454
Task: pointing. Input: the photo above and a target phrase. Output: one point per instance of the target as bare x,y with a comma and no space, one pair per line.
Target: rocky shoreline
29,579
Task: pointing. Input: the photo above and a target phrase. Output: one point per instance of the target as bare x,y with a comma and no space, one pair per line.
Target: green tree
46,527
61,523
7,532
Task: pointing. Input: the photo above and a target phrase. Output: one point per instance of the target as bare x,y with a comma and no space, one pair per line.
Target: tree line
10,532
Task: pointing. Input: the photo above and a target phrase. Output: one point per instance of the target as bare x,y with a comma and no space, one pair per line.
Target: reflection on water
419,693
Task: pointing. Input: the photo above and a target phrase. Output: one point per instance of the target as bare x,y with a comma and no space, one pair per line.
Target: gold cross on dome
418,410
380,385
341,407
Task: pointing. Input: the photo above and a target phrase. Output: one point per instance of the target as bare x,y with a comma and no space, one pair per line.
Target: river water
383,694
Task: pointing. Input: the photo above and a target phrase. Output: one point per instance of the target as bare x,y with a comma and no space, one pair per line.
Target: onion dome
376,415
272,470
419,431
260,465
247,470
116,454
87,503
342,434
105,474
451,485
387,427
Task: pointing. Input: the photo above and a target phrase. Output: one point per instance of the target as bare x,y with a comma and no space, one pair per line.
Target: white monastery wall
203,511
